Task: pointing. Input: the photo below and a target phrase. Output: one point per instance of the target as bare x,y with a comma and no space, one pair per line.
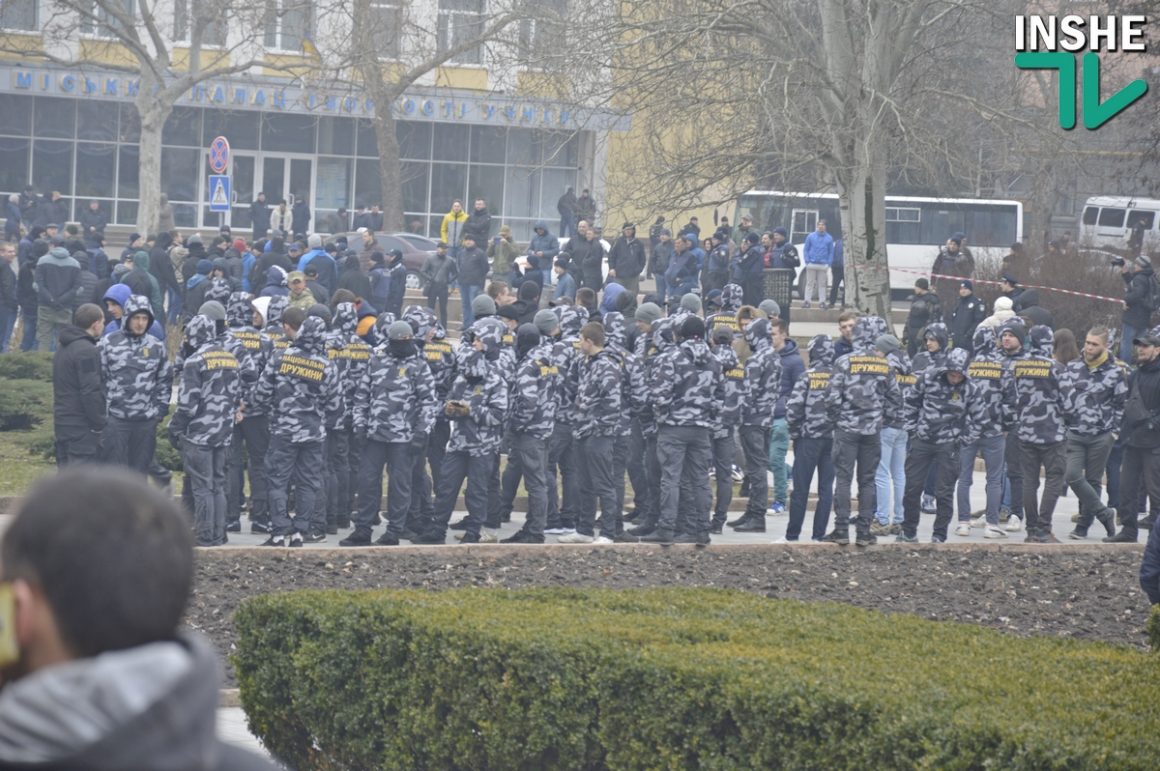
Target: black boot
745,517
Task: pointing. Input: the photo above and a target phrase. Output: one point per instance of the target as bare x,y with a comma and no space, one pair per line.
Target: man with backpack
1141,299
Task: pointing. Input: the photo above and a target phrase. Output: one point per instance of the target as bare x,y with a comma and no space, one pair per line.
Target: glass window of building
288,24
18,14
205,17
538,34
461,21
386,19
106,19
14,157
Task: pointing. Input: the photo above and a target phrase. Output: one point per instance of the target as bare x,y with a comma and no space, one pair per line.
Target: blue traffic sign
219,193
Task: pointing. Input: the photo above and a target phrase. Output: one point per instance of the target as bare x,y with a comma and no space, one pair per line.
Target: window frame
35,19
274,25
445,31
100,27
379,9
183,18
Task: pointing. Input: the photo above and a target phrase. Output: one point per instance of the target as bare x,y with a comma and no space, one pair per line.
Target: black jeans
638,474
531,456
1013,457
250,444
837,275
863,451
438,297
1053,458
683,453
398,458
921,457
755,446
1140,472
595,462
77,445
457,466
338,478
303,463
205,467
561,455
724,449
130,443
810,454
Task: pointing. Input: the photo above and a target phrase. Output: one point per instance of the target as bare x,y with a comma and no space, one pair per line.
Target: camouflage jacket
1093,397
686,386
135,369
864,395
634,383
395,398
599,395
936,409
762,376
1032,399
906,379
209,389
806,410
733,389
299,389
480,385
535,398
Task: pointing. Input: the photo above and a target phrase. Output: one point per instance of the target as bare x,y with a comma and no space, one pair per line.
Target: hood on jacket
274,311
118,293
984,341
136,304
1042,341
956,360
239,310
900,362
200,331
698,351
821,349
663,333
864,334
345,319
141,260
422,321
1003,304
757,335
1026,299
938,331
569,318
731,297
527,338
790,348
541,225
152,706
383,324
614,329
311,337
218,290
612,291
275,276
71,333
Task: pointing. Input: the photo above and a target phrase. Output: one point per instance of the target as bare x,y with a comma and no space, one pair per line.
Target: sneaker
964,529
575,537
357,538
754,525
489,535
895,529
663,537
1124,536
641,530
602,540
430,538
865,539
1041,536
1014,524
558,530
737,474
386,539
777,509
979,521
928,505
783,539
739,521
1004,513
460,525
1077,535
314,536
695,540
716,529
904,538
522,536
878,528
993,531
234,527
469,538
275,540
937,539
260,528
840,537
296,539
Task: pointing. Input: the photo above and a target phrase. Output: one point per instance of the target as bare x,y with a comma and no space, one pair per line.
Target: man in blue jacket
819,255
327,269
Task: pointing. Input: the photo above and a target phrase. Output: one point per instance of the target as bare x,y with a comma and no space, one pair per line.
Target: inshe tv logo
1051,43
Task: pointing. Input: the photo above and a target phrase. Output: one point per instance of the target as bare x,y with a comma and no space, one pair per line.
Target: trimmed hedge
676,679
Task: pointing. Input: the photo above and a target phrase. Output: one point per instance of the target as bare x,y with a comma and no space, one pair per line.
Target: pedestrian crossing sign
219,193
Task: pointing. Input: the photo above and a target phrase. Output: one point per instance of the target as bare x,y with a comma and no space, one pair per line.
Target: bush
25,404
26,366
1153,628
673,678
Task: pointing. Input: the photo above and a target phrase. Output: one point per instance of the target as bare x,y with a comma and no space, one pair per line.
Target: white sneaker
738,475
1015,524
575,537
489,535
558,530
979,521
602,540
994,531
963,529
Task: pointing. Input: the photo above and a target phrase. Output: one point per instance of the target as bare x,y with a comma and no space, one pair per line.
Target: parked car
413,254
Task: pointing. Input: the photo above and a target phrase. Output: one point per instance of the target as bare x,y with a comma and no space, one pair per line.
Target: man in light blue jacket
819,255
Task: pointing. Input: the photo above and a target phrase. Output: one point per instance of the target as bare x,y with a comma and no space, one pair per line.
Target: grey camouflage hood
239,310
984,341
757,335
422,321
956,360
201,330
383,324
731,296
821,349
864,334
311,337
136,304
569,318
345,319
662,333
938,331
1041,341
614,329
278,304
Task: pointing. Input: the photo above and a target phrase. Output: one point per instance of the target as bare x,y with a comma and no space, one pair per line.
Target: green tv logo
1048,43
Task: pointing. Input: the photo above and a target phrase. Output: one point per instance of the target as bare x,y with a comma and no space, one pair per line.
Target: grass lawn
22,461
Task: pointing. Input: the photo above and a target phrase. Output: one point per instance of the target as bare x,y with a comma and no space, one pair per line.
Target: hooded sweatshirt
984,389
1032,397
687,385
142,282
936,408
209,389
863,391
299,388
137,375
58,280
1094,395
762,376
806,411
149,707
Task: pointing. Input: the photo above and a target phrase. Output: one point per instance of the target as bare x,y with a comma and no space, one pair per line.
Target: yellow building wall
468,78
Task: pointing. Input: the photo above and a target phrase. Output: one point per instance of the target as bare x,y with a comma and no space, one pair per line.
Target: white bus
1109,220
916,227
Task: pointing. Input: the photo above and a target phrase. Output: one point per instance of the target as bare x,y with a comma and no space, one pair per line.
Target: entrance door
242,168
290,178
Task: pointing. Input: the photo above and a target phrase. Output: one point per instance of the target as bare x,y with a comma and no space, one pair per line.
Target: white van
1109,220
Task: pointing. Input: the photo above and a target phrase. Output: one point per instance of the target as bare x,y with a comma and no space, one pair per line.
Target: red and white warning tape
1025,286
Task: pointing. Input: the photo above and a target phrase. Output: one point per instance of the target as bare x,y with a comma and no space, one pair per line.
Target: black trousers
530,455
1053,459
863,451
724,449
398,459
338,478
638,470
302,462
130,443
755,447
594,460
77,445
1013,457
562,510
1140,471
921,457
458,466
250,443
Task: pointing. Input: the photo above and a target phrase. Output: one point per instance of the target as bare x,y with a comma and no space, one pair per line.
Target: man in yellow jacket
451,232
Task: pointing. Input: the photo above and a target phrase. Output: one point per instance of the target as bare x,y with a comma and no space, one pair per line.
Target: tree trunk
154,110
390,168
863,202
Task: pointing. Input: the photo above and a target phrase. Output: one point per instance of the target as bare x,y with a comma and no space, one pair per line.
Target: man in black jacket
626,259
478,223
1138,308
925,309
9,301
260,216
965,318
78,393
1140,433
472,275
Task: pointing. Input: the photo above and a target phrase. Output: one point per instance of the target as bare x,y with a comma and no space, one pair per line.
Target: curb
320,555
